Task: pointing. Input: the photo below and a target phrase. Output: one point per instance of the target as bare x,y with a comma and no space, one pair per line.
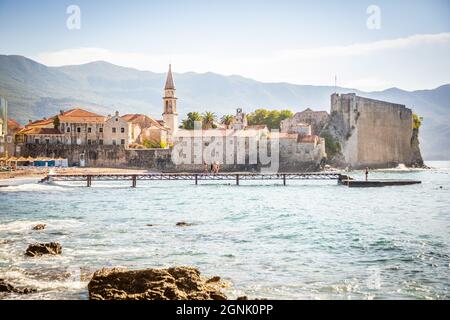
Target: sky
367,45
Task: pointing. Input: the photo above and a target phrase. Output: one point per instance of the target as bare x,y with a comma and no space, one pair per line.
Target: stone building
170,114
239,121
115,131
316,119
373,133
81,127
143,128
7,143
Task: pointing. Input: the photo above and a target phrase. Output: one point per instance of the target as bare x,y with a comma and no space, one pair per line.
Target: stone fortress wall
373,133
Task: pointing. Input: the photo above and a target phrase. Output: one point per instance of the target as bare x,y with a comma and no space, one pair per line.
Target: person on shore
367,173
205,167
217,167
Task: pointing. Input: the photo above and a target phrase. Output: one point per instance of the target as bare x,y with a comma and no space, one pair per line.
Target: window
68,129
9,139
122,130
89,130
100,129
114,130
78,129
114,142
89,141
36,141
100,142
117,119
122,141
47,141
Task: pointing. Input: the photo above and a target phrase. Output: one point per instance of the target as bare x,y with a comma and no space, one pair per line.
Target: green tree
271,118
331,145
188,123
208,120
56,122
227,119
417,121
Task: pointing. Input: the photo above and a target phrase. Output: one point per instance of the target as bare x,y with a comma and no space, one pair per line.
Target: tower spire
169,80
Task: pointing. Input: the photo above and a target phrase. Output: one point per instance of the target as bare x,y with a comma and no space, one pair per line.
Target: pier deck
236,177
196,177
377,183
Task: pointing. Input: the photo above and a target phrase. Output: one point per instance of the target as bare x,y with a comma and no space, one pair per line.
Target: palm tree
208,120
189,122
227,120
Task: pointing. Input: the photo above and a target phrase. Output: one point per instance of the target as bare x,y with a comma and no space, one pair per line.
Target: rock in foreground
9,288
40,226
38,249
179,283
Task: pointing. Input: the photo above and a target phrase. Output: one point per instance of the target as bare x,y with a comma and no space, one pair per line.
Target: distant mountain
35,90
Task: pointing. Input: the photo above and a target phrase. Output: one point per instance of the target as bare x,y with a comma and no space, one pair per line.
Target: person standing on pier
367,173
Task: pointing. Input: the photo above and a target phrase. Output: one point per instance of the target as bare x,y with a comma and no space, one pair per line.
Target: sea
306,240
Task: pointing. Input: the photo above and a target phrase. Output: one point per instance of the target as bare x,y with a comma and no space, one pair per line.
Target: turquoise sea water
307,240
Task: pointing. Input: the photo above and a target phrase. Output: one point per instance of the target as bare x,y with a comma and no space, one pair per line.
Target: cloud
303,66
367,48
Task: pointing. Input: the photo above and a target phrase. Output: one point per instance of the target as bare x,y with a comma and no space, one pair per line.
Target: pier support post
196,179
133,181
284,179
237,179
88,180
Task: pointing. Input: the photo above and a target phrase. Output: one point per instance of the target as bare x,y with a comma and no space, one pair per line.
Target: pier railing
197,177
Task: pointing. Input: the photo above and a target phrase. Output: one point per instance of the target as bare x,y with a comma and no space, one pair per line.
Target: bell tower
170,114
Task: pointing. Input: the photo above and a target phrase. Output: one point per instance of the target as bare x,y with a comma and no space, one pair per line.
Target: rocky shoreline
174,283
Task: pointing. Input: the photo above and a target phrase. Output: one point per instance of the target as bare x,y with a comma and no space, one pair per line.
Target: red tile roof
40,131
41,122
307,138
143,120
13,124
80,115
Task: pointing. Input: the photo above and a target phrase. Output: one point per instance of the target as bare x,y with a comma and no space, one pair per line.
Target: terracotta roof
40,131
80,115
169,81
307,138
13,124
143,120
39,123
283,135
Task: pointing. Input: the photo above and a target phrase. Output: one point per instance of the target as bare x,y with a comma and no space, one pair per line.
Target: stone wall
105,156
293,157
373,133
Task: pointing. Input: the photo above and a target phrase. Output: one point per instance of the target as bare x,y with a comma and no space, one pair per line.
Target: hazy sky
303,42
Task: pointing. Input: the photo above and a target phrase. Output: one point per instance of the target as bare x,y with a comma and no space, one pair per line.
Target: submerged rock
213,279
40,226
38,249
183,224
179,283
9,288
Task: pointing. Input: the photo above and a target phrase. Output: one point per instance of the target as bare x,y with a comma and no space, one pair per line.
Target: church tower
170,114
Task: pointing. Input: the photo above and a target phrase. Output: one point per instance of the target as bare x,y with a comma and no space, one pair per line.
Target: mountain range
34,91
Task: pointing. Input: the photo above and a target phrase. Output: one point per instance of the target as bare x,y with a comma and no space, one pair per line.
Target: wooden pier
236,177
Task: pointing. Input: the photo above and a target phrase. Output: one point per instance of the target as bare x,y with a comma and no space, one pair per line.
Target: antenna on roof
335,83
